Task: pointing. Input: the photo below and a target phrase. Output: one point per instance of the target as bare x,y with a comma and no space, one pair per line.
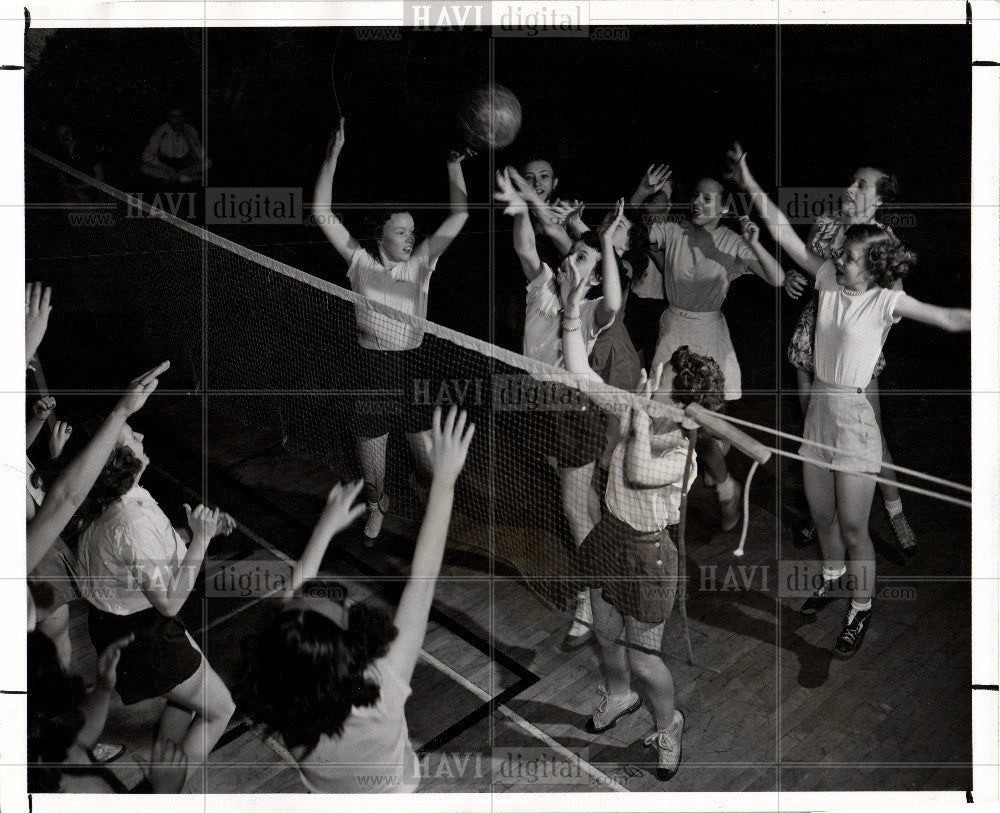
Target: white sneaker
611,709
668,746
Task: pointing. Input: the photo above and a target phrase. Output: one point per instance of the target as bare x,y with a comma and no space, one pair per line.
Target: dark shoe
731,510
611,710
852,635
904,534
818,600
668,745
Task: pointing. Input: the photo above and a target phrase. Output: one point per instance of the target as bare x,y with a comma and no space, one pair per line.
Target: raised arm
449,445
40,412
551,218
72,486
452,225
768,268
954,320
775,220
572,291
654,191
524,233
95,712
338,513
37,307
334,230
611,282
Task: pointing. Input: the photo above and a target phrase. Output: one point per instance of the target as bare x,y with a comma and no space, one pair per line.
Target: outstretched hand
656,179
141,388
337,141
203,521
449,445
58,438
506,193
795,284
573,284
37,307
737,169
457,156
44,407
340,510
608,231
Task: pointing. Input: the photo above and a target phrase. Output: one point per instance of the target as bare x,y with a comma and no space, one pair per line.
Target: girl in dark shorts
137,570
394,271
630,559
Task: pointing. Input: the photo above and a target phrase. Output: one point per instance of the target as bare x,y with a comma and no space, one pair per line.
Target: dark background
826,99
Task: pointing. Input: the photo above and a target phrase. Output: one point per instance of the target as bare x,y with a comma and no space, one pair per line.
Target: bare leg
890,492
419,444
854,499
206,695
371,456
56,629
650,669
822,496
608,625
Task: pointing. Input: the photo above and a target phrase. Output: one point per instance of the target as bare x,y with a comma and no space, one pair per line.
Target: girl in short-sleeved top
393,271
857,304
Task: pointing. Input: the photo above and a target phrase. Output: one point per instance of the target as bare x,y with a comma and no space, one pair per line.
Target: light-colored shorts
843,418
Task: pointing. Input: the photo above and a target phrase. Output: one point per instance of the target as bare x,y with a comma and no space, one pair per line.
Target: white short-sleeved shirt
129,548
850,329
374,753
543,320
402,286
699,265
650,509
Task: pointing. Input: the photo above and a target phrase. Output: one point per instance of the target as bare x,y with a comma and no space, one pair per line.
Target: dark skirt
159,659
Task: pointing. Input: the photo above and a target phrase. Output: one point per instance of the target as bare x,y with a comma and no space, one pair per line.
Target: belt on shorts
837,387
654,536
703,315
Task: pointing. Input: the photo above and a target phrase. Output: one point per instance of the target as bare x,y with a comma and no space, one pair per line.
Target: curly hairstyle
114,481
637,254
303,674
374,222
698,380
55,713
886,258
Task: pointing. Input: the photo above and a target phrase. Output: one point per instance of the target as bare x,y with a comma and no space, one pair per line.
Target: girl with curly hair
870,189
331,680
858,301
630,558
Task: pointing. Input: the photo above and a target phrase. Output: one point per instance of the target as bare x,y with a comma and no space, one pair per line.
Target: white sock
726,489
894,507
584,612
858,607
831,574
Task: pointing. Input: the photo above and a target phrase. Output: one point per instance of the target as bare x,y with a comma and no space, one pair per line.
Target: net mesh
277,349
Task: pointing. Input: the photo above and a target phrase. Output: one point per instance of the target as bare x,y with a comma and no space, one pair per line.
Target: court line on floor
461,680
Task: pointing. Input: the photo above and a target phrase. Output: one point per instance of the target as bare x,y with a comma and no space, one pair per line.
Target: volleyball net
277,349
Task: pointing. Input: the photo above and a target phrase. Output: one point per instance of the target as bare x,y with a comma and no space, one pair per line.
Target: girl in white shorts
856,307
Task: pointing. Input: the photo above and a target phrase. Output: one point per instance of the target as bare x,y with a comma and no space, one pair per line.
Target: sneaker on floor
732,509
373,526
904,534
853,633
668,743
105,752
611,709
818,600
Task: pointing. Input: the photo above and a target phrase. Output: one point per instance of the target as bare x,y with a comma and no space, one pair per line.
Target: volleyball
490,117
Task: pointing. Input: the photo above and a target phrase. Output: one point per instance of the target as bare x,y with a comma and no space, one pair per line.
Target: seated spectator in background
82,157
174,154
